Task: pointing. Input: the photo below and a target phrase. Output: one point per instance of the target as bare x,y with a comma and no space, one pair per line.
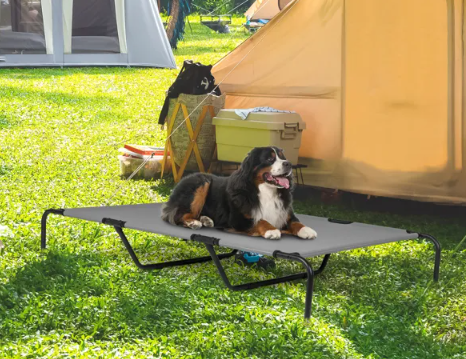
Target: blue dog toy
251,258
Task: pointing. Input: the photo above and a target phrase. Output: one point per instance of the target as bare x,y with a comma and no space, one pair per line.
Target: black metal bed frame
210,242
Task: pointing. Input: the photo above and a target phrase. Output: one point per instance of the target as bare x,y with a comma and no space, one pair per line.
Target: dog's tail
169,212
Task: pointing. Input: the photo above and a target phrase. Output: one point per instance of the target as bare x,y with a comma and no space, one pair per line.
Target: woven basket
206,139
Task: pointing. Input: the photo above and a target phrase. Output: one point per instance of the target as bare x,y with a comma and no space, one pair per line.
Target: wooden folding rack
192,147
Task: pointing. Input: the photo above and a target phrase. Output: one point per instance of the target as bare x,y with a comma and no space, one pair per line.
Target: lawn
83,298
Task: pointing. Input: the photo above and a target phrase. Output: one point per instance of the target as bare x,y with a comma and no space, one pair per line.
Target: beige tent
265,9
379,84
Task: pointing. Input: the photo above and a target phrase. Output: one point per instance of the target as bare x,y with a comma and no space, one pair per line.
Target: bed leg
309,294
310,277
152,266
323,265
43,225
438,250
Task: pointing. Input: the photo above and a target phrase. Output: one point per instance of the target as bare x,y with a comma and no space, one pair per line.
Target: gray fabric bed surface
331,237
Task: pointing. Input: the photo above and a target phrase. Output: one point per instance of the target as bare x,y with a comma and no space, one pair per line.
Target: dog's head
268,165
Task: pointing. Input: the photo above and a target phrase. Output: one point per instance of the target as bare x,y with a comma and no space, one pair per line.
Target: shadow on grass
165,186
386,310
75,293
4,123
97,295
4,170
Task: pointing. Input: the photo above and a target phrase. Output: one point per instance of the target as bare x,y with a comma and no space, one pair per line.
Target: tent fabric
121,26
263,9
143,30
83,32
94,19
48,29
379,84
67,24
283,3
331,237
17,20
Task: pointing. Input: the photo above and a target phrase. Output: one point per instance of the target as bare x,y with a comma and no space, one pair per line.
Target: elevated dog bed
333,236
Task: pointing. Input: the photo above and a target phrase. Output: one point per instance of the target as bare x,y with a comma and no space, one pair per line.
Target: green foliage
83,298
221,7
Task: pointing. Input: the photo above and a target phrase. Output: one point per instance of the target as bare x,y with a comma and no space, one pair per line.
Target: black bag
193,79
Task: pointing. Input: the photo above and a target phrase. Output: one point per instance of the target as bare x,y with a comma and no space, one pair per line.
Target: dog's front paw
273,234
307,233
206,221
193,224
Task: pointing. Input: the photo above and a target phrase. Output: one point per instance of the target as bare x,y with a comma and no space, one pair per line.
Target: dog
255,200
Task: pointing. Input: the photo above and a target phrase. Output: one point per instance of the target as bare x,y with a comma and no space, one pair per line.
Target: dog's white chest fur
271,207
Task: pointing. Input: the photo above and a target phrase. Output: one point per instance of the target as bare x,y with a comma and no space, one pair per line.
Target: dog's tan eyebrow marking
278,154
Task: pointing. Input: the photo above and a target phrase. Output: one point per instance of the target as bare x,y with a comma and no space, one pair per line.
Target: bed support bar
210,242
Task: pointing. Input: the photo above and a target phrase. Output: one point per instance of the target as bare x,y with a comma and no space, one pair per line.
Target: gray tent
83,33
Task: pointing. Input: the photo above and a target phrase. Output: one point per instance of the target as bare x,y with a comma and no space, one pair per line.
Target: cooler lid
260,120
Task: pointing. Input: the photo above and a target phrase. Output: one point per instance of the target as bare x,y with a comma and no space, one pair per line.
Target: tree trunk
173,19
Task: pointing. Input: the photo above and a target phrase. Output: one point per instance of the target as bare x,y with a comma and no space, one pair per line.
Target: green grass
83,298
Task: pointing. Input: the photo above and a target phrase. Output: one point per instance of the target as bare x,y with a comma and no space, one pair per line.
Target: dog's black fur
230,202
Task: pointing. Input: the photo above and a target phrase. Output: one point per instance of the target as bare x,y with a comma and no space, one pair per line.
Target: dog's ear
247,166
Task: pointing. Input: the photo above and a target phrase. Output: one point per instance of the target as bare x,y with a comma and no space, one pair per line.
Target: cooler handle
290,131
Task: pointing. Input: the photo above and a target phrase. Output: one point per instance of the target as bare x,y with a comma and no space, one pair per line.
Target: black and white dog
255,200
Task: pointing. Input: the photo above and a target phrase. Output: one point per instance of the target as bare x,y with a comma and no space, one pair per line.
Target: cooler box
236,137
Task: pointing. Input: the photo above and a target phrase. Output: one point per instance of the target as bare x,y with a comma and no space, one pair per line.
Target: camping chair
217,23
333,236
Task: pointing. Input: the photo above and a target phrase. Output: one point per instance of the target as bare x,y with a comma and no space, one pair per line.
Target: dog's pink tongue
283,181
